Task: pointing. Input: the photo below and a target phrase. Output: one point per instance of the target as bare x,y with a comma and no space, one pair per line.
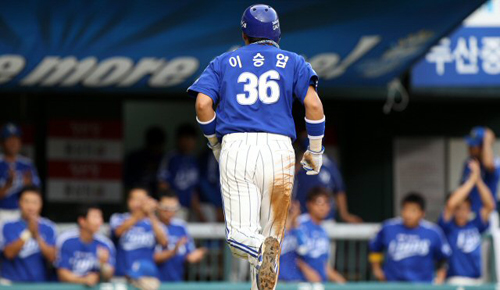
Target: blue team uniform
29,265
465,243
252,85
172,270
410,254
292,243
491,179
138,243
182,173
329,178
81,258
311,244
20,167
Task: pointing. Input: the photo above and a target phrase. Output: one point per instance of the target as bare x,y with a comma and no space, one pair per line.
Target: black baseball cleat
267,271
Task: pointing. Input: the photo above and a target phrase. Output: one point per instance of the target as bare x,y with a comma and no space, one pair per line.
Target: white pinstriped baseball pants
257,173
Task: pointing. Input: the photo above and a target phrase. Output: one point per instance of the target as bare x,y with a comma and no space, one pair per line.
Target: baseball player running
251,132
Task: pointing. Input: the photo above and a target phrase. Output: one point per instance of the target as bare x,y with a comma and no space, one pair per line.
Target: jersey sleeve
9,234
376,244
51,235
35,179
300,234
64,254
481,225
115,221
112,252
163,170
443,224
442,250
304,77
208,83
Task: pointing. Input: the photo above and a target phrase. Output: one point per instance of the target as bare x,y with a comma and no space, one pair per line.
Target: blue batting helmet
261,21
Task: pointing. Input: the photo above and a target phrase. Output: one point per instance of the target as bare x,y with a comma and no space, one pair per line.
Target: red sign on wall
85,161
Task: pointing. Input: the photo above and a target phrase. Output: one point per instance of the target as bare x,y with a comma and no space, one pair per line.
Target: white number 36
264,88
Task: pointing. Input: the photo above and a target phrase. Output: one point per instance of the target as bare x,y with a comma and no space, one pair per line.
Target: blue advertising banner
162,46
469,57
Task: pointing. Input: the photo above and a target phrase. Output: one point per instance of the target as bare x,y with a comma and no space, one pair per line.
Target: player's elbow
313,105
203,103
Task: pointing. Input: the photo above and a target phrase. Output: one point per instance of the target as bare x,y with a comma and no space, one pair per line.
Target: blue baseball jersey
254,88
465,243
22,166
410,253
490,179
329,178
138,243
209,180
317,246
81,258
294,243
29,265
172,270
182,173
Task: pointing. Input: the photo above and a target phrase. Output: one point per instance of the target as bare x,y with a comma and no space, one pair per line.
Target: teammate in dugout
463,228
180,248
480,143
28,242
16,172
251,131
306,248
179,171
137,232
409,246
83,255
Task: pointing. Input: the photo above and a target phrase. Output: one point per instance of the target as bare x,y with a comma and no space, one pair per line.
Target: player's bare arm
315,123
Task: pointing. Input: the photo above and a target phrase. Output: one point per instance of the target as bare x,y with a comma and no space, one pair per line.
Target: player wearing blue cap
409,246
244,107
16,172
480,142
463,228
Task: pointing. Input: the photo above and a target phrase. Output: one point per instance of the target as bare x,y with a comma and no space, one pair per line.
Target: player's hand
10,178
33,226
103,255
215,149
181,242
149,206
312,161
475,169
27,178
489,137
379,274
91,279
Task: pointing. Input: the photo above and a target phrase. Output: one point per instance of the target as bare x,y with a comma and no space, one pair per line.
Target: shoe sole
267,272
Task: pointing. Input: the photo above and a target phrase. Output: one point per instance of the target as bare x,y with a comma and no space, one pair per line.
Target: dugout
106,72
